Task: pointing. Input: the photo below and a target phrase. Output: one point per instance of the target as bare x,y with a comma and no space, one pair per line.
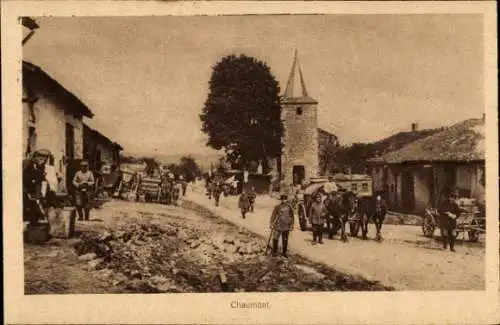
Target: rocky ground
149,248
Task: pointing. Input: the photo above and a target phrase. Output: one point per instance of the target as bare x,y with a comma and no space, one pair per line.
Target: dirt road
405,259
150,248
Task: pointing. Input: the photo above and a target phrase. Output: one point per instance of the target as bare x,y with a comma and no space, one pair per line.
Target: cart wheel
354,228
428,226
473,236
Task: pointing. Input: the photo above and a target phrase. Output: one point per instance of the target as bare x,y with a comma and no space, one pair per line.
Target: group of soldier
39,190
282,219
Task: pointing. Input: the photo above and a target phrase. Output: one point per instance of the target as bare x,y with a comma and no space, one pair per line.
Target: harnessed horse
340,207
372,209
380,210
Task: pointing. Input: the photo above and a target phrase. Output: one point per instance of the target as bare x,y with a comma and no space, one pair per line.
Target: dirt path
149,248
405,259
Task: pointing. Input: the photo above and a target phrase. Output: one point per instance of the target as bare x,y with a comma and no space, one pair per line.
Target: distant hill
399,140
355,156
202,160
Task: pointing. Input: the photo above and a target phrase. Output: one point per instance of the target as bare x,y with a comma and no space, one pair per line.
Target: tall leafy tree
189,167
242,114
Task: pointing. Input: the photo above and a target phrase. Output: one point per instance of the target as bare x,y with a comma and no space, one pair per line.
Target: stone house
99,149
52,120
420,173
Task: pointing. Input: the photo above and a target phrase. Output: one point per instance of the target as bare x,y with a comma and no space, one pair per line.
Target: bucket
37,234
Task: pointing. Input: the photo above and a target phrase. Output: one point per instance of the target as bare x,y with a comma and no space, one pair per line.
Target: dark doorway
450,178
407,191
70,155
299,174
70,141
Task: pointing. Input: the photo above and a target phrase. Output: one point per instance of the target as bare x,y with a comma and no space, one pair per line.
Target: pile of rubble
148,258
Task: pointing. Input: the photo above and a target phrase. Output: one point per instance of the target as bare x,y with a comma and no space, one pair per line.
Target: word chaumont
257,305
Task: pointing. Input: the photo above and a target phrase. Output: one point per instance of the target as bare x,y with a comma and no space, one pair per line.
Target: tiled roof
461,142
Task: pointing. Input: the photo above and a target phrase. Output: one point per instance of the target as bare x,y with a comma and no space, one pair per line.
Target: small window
364,187
354,187
299,110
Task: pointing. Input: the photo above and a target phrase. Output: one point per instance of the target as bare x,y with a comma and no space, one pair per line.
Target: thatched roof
461,142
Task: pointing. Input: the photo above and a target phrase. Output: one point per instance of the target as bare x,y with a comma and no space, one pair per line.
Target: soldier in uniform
251,197
33,178
449,212
317,216
83,182
244,203
281,223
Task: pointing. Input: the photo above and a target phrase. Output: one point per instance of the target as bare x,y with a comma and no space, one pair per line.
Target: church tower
299,159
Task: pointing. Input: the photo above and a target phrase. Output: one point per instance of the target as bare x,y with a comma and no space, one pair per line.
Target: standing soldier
282,222
83,182
317,216
244,203
33,178
184,185
449,212
251,197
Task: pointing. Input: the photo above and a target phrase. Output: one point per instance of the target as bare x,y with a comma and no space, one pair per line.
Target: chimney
484,117
414,127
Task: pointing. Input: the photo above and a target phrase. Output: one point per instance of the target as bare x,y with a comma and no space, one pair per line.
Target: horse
340,206
372,209
378,212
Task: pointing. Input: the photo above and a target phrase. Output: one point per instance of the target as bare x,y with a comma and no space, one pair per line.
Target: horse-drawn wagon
472,220
150,188
354,204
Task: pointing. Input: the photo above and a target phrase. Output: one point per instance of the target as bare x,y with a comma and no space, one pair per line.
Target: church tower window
299,110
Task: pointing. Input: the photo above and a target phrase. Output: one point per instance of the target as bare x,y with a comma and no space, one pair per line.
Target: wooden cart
472,220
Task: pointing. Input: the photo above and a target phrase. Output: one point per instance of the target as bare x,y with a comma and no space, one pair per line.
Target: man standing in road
83,182
317,216
449,212
251,198
281,223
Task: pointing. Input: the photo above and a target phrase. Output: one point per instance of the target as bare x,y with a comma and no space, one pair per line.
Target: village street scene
253,154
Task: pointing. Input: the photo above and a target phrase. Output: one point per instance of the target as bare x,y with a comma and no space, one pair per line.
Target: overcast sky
146,78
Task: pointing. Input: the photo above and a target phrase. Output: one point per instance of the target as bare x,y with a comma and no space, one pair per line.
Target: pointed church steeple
296,88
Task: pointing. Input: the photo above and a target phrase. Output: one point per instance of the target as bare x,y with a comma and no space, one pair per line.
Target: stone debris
147,257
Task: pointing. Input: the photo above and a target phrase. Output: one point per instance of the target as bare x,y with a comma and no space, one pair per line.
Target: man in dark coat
317,216
449,211
33,177
251,197
281,223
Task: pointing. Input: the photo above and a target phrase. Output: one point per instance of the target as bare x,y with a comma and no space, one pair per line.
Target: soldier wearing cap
449,212
281,223
330,186
317,214
83,182
33,178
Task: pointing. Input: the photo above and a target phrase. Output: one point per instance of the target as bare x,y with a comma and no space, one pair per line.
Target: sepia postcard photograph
261,153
